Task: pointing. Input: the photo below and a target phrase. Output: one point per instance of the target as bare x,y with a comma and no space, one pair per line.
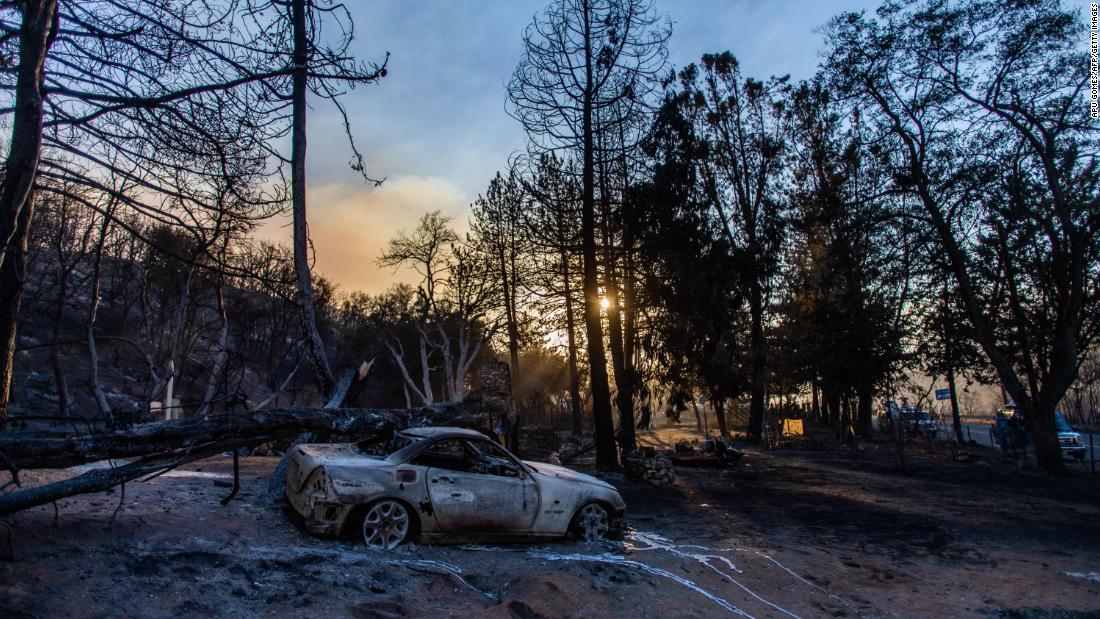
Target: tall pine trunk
601,395
570,327
629,387
864,425
624,301
508,282
623,398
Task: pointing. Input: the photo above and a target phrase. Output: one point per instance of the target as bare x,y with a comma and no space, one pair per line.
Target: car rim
593,523
386,525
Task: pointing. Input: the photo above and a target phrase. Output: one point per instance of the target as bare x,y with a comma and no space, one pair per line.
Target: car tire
591,523
387,523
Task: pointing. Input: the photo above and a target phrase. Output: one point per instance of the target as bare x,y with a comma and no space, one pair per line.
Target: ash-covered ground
815,533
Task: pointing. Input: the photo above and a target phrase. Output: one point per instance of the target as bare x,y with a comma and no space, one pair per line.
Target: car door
467,496
505,488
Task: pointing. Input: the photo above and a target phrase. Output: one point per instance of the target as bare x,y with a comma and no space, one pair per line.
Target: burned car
443,485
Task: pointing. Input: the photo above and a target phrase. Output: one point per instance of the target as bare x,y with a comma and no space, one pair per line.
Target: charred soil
811,532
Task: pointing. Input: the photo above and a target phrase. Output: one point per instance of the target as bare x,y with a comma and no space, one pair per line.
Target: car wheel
386,525
592,523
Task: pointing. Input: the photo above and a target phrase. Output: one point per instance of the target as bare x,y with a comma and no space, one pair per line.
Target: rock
649,466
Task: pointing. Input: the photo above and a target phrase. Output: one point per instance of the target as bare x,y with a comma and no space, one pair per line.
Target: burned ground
823,532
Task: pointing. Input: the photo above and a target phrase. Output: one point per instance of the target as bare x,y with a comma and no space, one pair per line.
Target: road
980,433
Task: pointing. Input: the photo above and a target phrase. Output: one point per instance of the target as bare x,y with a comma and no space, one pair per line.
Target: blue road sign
943,394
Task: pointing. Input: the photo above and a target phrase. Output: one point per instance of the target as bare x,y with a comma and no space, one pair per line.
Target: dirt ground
818,531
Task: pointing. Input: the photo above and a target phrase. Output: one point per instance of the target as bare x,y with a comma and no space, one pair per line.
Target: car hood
560,472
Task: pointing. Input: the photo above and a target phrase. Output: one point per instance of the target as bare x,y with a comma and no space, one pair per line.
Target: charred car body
443,484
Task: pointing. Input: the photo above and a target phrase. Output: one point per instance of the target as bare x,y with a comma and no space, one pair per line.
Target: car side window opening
451,454
492,460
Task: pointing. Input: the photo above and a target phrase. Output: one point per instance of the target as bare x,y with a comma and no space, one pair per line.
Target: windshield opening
383,446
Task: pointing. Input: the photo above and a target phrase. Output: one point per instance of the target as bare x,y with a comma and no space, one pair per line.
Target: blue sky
436,127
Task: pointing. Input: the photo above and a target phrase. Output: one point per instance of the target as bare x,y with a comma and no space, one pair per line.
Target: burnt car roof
438,432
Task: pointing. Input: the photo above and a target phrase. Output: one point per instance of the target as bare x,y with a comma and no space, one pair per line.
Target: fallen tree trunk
52,449
163,445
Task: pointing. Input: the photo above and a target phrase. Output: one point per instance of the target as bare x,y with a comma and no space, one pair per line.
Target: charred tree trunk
624,301
815,409
864,425
66,264
62,449
36,32
699,426
623,397
315,347
601,394
177,342
1040,419
826,407
834,408
846,416
93,309
220,357
956,418
12,272
571,335
508,281
699,418
628,388
759,376
630,330
720,416
57,333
